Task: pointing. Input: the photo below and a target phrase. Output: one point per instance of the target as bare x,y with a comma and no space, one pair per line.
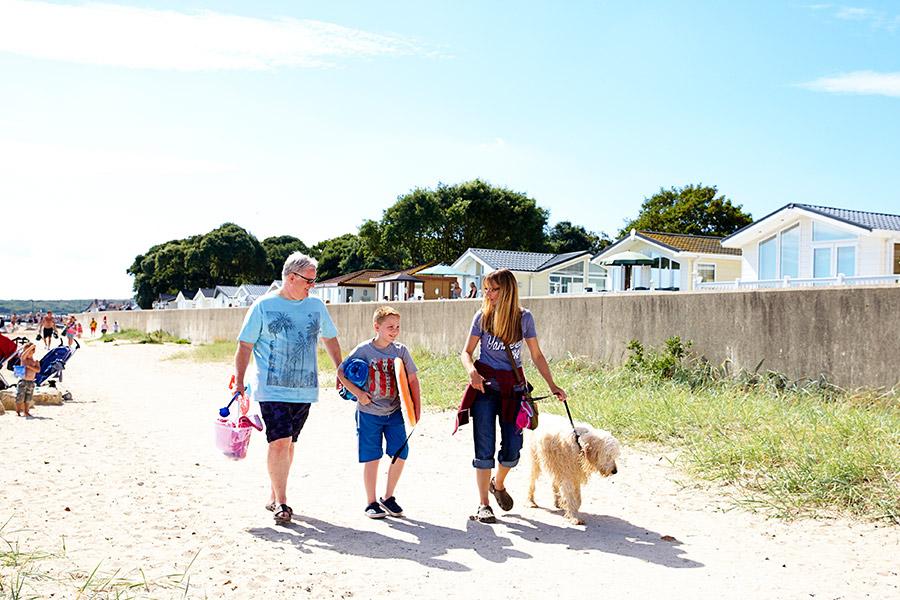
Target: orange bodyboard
407,406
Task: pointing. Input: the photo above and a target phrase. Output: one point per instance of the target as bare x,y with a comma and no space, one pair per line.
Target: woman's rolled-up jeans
485,415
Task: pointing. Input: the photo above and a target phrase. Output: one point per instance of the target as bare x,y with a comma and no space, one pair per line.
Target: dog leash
572,423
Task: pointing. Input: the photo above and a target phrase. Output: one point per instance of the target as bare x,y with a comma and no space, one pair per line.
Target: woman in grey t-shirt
500,321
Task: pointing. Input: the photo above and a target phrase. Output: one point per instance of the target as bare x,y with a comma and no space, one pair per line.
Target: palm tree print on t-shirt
292,351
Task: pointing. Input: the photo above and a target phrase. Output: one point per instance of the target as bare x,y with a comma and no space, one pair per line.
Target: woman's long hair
503,318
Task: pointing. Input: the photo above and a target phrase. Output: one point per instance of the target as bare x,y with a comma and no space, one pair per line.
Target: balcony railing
789,282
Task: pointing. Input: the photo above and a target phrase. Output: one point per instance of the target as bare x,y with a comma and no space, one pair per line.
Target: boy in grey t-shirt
379,422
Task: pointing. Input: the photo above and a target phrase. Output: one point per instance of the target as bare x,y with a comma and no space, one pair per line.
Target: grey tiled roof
255,290
228,290
561,258
522,261
207,292
869,220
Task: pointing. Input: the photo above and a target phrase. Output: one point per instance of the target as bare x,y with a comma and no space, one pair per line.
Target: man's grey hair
297,262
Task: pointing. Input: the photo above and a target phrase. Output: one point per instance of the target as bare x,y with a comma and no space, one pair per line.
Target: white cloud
858,82
495,144
123,36
852,13
876,19
38,160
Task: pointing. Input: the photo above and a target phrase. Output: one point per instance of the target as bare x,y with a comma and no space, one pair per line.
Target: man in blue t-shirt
281,330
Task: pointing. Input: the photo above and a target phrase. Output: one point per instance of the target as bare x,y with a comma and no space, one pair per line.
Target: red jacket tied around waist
510,394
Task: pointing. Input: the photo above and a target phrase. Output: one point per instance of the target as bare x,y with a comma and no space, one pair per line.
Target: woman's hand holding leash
558,392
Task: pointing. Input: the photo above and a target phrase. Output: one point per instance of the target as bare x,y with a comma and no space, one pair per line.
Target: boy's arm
362,396
416,391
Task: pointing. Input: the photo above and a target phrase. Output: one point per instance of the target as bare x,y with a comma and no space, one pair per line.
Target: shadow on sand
606,534
427,543
430,544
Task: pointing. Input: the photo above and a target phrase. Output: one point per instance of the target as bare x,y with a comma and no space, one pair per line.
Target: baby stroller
54,362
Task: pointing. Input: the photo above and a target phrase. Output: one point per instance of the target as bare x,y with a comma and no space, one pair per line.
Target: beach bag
527,417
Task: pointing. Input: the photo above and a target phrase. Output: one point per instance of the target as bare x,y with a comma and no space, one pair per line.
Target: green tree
340,255
693,209
234,256
566,237
228,255
439,225
278,248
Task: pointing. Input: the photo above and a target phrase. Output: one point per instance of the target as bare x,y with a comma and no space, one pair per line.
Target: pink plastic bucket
231,439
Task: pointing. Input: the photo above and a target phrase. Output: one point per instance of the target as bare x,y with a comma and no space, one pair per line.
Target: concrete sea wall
849,334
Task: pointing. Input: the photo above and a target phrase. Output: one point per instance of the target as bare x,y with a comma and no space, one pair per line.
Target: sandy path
134,462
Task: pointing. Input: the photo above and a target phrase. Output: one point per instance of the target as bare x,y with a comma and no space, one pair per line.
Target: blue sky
130,124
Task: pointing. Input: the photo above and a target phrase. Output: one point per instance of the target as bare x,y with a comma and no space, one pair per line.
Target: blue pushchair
52,364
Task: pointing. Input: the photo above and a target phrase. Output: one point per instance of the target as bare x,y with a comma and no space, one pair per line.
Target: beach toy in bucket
233,435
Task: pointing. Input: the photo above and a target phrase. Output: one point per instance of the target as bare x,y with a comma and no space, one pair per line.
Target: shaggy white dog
553,449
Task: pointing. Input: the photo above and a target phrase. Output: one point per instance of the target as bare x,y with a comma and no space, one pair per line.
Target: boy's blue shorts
371,429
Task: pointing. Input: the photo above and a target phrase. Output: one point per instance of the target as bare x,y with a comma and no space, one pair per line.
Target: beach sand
127,477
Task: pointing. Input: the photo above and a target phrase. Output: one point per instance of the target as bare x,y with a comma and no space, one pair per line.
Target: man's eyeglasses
306,279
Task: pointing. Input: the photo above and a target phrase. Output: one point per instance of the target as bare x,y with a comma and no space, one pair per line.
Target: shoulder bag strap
512,361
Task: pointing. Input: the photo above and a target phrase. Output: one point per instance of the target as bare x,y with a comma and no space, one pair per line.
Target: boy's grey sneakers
391,506
373,511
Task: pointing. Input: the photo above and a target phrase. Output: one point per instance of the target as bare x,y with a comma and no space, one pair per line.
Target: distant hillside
7,307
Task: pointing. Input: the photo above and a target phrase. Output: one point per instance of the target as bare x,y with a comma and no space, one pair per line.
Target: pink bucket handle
254,422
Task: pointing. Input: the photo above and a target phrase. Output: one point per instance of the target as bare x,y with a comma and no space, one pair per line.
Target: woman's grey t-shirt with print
493,353
382,382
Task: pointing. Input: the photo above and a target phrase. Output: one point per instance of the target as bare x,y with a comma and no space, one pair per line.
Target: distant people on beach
104,326
455,292
502,328
80,329
379,421
25,387
280,331
93,326
473,290
48,328
71,330
115,328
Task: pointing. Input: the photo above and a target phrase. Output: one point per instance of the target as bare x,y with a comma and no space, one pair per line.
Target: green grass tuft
140,337
220,351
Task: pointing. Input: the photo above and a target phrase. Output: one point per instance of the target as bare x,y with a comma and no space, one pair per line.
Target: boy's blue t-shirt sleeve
252,327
